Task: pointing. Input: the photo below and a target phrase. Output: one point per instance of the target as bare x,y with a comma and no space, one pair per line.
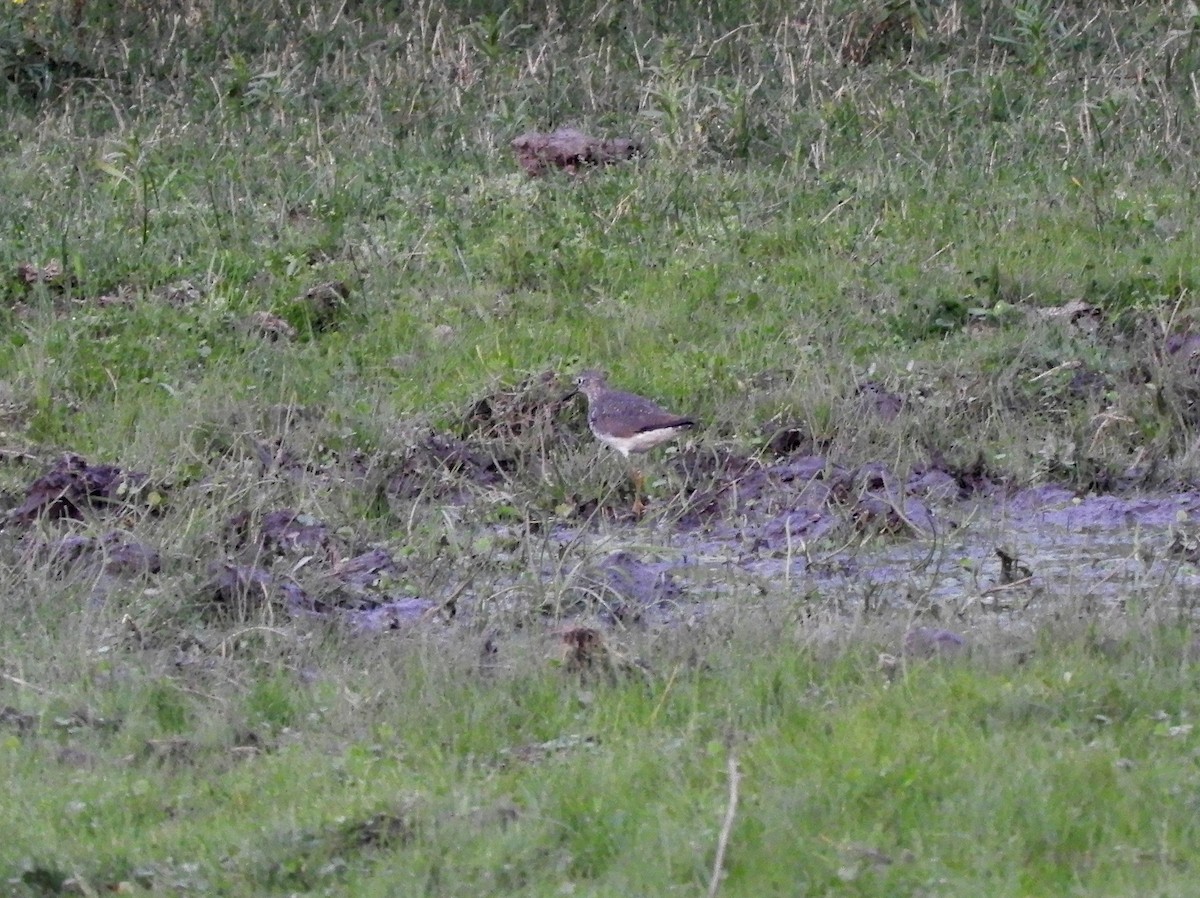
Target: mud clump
628,587
570,150
933,642
285,532
584,652
52,276
269,327
582,648
792,527
115,553
441,466
877,400
1185,345
74,486
484,447
378,831
238,585
809,497
509,413
886,517
364,571
359,589
324,304
787,438
934,485
11,718
974,479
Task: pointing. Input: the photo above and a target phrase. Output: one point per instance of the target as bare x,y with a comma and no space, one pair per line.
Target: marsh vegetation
313,583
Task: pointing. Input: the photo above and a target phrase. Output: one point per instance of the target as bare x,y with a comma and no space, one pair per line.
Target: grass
407,767
834,194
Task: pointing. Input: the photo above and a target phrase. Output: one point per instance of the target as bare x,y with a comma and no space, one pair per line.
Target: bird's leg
639,482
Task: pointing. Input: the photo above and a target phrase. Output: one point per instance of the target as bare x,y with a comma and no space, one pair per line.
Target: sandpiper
627,422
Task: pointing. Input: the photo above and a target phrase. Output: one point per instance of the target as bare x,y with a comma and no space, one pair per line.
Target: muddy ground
940,547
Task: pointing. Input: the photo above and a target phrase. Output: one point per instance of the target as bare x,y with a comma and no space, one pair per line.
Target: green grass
801,223
1067,773
793,212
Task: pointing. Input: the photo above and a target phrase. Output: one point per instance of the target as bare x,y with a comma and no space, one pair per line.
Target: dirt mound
74,485
570,150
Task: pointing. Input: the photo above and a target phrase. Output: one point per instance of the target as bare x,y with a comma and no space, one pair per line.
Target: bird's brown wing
626,414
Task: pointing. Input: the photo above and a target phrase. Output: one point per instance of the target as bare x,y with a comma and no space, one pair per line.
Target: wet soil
935,543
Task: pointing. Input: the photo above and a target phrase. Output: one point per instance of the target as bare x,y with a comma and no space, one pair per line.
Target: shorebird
627,422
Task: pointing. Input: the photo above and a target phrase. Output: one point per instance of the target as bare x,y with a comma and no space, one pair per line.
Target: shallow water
1102,550
804,528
